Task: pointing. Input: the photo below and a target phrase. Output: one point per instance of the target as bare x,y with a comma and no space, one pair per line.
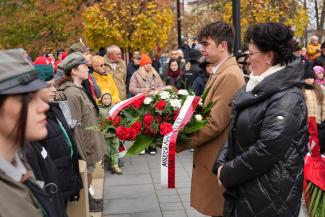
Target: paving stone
129,191
131,205
138,193
183,190
187,205
180,184
168,198
161,192
127,179
185,197
194,213
176,213
171,206
146,214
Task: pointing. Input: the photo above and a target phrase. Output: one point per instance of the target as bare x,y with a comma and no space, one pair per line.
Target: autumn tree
132,24
203,14
316,16
40,25
290,12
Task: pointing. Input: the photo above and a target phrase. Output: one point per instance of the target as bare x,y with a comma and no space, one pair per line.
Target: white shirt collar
13,171
254,80
215,68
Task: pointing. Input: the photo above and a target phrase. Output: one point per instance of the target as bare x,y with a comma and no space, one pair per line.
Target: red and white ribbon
121,105
168,149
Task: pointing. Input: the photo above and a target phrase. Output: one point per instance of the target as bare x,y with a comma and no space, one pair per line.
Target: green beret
45,72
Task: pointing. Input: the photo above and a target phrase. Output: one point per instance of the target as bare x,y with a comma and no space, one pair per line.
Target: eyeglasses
250,54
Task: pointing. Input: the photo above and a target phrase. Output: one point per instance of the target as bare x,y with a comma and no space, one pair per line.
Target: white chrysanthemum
201,102
183,92
164,95
198,117
175,103
147,100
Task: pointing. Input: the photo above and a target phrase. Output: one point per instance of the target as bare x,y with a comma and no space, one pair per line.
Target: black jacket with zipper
263,159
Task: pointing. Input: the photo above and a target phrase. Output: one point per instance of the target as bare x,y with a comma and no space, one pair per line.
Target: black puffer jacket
263,158
67,166
49,196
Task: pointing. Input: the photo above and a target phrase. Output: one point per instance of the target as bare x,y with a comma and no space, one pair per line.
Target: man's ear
74,72
224,45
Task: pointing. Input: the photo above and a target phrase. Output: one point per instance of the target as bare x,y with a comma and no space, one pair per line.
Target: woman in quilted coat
261,165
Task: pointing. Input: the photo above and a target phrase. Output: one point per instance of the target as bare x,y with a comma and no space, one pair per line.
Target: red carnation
136,127
115,121
132,133
158,119
160,105
166,118
176,113
122,133
165,128
138,103
101,125
147,119
149,131
147,126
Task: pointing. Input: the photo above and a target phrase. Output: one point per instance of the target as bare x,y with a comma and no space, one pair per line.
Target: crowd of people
248,159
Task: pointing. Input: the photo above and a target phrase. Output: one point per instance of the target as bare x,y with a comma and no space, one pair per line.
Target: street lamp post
236,23
179,23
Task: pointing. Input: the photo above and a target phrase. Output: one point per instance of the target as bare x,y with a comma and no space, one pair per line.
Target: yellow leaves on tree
132,25
288,12
40,25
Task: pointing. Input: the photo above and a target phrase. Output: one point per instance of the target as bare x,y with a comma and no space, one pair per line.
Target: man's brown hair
219,32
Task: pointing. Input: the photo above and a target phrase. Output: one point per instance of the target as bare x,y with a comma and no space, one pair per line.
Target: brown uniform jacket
90,143
16,199
119,76
206,195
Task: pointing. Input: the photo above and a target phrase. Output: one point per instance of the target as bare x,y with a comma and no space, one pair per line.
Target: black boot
152,150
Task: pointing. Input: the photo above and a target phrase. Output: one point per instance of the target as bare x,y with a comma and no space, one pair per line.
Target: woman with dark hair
22,115
174,73
90,144
261,165
59,144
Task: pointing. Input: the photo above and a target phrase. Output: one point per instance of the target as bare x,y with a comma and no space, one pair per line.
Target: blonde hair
97,59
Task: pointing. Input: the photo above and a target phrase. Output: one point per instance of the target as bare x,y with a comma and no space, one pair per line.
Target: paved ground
137,193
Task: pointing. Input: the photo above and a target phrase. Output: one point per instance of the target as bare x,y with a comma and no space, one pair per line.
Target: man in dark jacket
132,67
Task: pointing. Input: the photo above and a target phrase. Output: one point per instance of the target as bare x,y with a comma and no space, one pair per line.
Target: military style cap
79,46
71,61
17,74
